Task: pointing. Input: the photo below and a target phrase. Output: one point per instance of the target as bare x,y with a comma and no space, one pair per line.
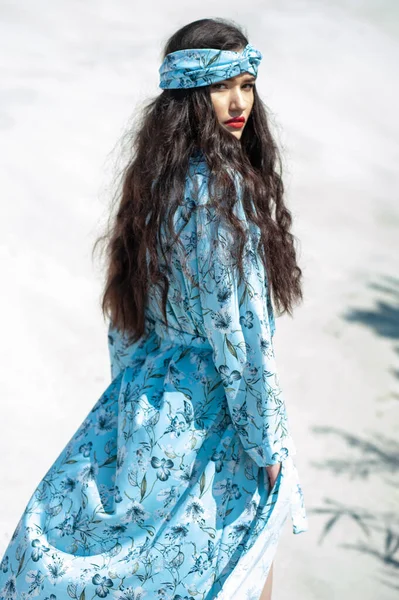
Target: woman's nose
237,101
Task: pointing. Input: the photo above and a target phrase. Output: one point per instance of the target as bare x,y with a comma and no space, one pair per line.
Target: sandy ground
72,75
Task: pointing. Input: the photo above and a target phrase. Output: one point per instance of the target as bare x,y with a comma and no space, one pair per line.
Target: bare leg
267,590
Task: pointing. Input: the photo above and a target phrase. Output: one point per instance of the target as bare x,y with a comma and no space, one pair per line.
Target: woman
178,482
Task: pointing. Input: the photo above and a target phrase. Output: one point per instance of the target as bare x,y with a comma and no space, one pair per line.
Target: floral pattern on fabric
162,493
195,67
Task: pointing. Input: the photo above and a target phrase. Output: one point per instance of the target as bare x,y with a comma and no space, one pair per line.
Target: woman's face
232,98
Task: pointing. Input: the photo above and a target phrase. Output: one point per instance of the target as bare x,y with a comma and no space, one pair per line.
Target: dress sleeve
239,324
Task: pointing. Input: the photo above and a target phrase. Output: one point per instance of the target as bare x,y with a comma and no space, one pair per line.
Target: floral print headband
196,67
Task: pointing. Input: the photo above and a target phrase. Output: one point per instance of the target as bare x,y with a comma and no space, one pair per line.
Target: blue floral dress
162,492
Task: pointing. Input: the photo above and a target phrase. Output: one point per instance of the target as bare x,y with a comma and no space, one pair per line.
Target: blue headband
196,67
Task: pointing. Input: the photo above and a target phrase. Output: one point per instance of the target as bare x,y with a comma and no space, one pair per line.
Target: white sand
72,74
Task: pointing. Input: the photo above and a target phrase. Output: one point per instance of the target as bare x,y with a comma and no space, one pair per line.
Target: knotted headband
195,67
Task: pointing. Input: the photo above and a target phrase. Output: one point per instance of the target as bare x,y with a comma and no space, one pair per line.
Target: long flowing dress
162,493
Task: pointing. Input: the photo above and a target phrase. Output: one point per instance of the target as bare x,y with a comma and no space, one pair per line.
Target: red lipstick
236,122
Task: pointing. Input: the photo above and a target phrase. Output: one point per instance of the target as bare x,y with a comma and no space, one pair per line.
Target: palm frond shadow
384,318
381,530
389,575
377,457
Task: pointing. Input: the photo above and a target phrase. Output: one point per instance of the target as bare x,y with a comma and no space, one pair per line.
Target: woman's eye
218,86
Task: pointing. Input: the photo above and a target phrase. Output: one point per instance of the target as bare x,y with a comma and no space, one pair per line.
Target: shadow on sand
379,530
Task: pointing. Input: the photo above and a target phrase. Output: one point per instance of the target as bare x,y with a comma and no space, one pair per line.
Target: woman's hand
273,471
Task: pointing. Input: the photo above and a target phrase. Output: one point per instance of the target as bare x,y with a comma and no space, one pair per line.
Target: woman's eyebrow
245,79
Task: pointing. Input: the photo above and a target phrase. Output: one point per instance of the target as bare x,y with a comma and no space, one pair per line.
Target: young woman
178,482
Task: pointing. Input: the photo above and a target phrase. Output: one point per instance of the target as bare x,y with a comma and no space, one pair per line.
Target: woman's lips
236,123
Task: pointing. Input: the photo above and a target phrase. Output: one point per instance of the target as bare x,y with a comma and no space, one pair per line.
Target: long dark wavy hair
173,125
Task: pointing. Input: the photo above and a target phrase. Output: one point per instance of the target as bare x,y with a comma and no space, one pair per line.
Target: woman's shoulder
198,165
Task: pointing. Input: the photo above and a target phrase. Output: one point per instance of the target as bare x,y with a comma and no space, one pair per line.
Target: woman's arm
239,328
